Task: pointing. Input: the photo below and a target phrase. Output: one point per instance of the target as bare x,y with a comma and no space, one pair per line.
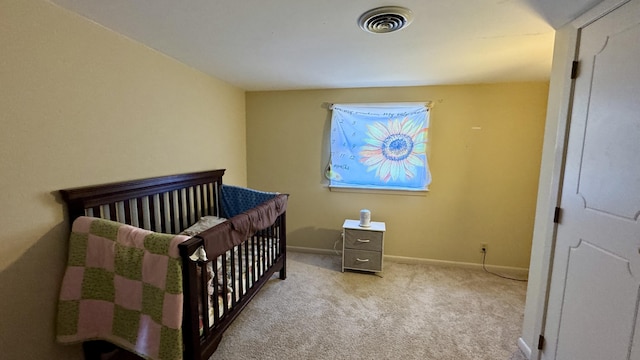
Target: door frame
559,107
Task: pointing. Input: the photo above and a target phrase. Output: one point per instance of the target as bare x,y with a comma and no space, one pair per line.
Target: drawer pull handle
362,260
364,240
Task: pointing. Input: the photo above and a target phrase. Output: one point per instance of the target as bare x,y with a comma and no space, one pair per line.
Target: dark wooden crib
170,204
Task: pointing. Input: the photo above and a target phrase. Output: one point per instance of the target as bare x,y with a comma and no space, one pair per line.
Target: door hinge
556,215
574,69
540,342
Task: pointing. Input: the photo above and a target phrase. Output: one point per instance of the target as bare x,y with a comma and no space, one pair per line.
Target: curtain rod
428,104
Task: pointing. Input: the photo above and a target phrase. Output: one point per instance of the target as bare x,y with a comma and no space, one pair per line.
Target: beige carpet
412,312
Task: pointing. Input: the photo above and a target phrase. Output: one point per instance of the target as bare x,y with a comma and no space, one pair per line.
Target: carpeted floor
411,312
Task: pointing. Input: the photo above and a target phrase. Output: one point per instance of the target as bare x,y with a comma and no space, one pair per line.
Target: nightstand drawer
363,240
363,260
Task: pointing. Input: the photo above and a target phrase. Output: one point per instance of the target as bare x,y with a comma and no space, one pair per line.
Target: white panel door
593,300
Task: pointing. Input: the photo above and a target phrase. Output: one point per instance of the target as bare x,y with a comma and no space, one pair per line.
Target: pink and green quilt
124,285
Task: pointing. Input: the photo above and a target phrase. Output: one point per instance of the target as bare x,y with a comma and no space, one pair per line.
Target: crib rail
167,204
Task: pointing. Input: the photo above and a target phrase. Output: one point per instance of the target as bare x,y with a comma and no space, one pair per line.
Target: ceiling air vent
385,19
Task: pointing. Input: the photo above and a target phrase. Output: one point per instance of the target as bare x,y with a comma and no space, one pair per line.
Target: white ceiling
306,44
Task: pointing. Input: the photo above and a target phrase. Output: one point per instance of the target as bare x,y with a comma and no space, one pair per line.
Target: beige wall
80,105
484,181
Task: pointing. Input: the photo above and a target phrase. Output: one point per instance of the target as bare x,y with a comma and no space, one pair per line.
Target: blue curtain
379,147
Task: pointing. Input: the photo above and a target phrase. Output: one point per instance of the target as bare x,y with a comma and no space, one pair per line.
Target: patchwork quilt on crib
122,284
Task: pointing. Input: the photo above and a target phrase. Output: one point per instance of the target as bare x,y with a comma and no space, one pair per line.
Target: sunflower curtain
379,146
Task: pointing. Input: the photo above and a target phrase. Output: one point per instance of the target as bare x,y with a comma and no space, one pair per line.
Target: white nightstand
363,247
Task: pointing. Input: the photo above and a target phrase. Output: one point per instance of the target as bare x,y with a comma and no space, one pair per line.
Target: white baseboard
526,350
314,250
515,271
523,272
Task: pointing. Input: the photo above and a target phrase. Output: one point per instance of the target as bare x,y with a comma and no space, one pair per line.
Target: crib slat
181,213
152,213
127,212
189,205
141,212
225,283
268,247
274,242
196,202
265,238
216,294
203,201
241,269
164,225
254,253
202,207
214,199
204,303
218,198
113,212
233,276
207,198
278,236
246,264
172,213
261,253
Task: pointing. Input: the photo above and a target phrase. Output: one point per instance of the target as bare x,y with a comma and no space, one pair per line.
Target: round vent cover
385,19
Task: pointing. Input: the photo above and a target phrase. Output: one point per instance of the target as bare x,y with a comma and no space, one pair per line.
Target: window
379,146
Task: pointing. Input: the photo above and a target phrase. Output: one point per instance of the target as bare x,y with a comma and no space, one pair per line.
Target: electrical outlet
484,247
